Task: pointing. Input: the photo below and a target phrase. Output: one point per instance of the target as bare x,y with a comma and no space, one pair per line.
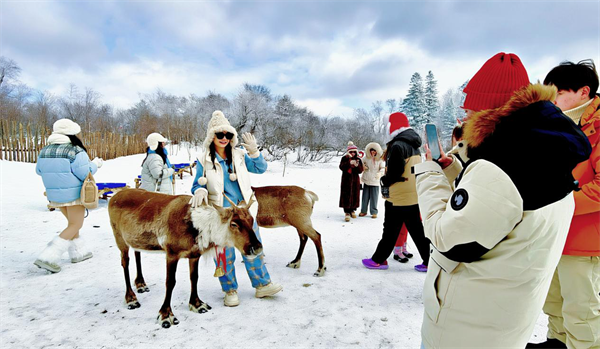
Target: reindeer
151,221
280,206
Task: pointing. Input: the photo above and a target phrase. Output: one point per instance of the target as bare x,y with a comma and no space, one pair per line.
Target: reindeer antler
251,201
228,199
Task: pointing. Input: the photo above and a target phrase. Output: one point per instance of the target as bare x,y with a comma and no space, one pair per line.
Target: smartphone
433,141
385,191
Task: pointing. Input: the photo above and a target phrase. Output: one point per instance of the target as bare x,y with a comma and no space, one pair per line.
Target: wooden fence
23,143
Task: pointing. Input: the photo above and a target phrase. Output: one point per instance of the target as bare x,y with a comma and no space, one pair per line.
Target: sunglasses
227,135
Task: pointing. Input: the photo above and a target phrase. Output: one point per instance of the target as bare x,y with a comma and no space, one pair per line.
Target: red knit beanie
495,82
397,123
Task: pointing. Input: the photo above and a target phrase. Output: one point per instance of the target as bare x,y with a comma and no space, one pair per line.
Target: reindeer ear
225,213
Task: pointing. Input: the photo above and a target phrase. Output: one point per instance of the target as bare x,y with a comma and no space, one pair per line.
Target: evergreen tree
414,104
431,98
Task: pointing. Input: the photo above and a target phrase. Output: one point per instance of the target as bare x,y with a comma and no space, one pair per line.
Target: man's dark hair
569,76
457,132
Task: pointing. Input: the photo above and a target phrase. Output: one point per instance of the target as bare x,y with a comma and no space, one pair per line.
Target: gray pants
370,195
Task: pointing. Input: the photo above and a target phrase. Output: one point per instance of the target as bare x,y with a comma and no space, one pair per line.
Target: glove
98,162
250,145
170,172
200,197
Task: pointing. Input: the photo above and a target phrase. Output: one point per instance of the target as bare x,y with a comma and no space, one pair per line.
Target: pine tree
431,98
414,104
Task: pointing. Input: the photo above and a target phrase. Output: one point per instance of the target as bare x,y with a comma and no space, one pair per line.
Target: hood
408,136
375,146
532,141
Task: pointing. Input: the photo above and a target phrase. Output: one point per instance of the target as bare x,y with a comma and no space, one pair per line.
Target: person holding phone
498,224
351,166
401,205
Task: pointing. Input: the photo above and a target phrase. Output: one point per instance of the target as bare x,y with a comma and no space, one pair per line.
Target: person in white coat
498,224
374,168
157,173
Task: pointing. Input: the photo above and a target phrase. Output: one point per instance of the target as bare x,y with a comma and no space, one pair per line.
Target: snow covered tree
431,98
414,104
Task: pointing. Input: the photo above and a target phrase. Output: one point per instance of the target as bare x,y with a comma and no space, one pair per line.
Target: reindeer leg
140,284
316,238
165,314
130,298
296,262
196,305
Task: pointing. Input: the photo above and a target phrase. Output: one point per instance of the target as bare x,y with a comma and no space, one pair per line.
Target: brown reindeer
280,206
150,221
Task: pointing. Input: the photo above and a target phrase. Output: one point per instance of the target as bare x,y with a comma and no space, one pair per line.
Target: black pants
395,216
349,210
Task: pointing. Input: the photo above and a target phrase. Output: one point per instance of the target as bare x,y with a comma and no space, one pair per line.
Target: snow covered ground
83,305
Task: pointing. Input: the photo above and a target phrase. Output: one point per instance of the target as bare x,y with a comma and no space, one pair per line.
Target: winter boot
78,251
353,214
347,217
362,214
400,258
231,299
370,264
550,343
405,251
421,267
267,290
50,256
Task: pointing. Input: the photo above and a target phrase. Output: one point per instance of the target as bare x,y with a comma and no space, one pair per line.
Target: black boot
550,343
400,259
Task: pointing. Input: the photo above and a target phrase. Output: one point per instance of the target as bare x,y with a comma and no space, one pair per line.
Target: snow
83,305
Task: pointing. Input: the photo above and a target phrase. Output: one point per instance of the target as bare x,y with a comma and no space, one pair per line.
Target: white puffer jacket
374,166
153,169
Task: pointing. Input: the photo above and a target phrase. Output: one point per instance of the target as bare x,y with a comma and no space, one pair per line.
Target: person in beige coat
373,170
498,225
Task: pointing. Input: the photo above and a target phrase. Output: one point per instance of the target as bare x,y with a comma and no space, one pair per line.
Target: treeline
283,128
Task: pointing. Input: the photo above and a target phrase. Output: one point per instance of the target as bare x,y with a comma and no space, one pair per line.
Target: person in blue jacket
222,168
63,165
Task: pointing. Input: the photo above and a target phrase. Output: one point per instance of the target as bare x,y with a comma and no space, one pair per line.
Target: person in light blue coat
63,165
223,168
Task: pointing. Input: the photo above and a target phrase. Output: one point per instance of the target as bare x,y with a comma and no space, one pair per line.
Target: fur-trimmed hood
532,141
375,146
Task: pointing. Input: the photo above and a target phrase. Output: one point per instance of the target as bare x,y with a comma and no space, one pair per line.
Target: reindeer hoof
320,272
293,265
203,308
142,289
133,305
167,322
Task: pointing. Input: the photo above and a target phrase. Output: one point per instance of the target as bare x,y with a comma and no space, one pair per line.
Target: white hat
153,140
218,123
66,127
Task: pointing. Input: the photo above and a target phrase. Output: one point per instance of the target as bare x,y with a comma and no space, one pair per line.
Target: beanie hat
397,123
153,140
351,146
218,123
496,81
66,127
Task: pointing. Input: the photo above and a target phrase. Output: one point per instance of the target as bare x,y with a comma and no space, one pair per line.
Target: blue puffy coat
63,168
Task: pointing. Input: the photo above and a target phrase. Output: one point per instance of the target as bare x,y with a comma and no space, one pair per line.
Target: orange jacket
584,234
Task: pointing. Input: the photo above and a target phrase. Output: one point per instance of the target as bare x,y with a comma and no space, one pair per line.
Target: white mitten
250,145
98,161
200,196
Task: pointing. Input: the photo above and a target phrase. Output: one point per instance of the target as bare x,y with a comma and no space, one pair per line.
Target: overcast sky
331,56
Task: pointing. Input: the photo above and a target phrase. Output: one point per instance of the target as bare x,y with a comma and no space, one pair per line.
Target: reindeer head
241,227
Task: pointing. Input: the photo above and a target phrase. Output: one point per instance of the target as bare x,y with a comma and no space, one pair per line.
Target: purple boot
421,267
372,265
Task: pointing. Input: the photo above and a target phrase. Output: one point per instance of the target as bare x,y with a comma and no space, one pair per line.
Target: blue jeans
256,268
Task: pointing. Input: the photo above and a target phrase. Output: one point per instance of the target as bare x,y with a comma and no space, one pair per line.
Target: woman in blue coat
63,165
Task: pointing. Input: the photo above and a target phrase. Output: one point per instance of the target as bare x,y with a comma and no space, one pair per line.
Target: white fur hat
153,140
218,123
66,127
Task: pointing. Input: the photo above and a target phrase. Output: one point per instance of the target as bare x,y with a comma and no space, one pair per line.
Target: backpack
89,192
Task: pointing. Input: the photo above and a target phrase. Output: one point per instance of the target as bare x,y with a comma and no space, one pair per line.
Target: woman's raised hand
250,144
